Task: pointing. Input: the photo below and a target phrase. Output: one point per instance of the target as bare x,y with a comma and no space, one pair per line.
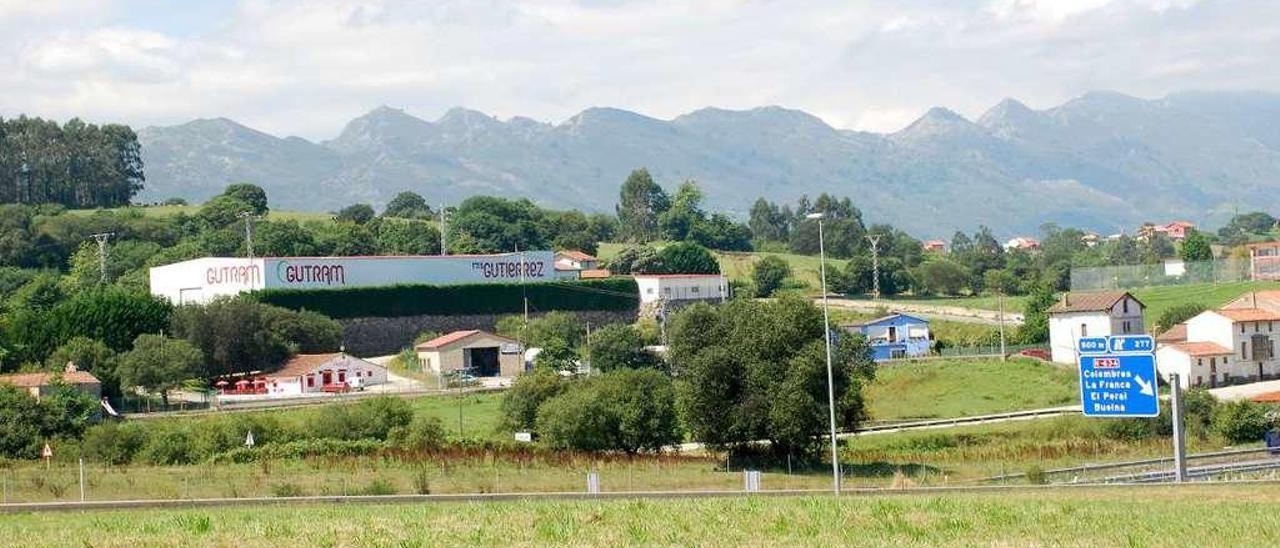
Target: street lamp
831,385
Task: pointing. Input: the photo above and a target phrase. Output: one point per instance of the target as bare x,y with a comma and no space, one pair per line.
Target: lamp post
831,386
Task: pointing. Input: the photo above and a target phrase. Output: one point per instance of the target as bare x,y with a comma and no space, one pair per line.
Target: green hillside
958,388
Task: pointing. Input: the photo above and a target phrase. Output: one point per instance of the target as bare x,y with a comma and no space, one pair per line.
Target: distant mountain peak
773,115
938,122
1010,117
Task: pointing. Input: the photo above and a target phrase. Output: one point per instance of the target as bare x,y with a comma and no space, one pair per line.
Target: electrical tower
248,232
875,264
102,238
444,230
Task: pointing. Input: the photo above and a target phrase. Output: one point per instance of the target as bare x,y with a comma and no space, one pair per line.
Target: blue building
894,336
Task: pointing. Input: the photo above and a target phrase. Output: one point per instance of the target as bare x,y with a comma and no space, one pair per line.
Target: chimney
1066,301
70,368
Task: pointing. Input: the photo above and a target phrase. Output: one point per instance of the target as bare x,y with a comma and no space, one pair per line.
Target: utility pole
875,262
444,230
102,238
1000,298
1179,431
248,232
831,386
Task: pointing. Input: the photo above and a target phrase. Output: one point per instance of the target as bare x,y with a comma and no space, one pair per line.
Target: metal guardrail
1128,464
1198,472
976,419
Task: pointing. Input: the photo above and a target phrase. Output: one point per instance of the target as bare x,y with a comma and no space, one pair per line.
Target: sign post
46,453
1118,376
1179,432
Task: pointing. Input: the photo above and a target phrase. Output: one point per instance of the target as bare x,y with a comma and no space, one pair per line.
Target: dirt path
930,311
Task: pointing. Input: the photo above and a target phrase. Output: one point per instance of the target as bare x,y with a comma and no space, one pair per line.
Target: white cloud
305,67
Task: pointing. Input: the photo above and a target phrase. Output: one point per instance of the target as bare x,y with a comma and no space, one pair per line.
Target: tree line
76,164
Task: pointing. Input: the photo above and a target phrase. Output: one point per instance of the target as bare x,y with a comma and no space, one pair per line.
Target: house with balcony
895,336
1232,344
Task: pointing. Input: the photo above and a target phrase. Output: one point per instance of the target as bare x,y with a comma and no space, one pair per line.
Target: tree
677,222
719,232
640,202
88,355
486,224
688,258
556,356
636,259
349,240
355,213
756,370
1195,247
1178,313
619,346
233,334
408,205
1240,227
304,331
23,419
550,328
397,237
942,277
78,165
159,364
520,404
250,194
1240,421
768,275
767,222
1035,316
110,314
625,410
283,239
221,211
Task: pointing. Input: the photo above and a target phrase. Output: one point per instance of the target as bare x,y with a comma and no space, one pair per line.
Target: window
1125,307
1213,362
1125,327
1199,380
1255,326
311,381
693,289
1242,327
1084,330
1244,354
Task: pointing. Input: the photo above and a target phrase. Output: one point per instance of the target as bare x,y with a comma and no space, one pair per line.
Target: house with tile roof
1099,314
42,383
319,373
1234,343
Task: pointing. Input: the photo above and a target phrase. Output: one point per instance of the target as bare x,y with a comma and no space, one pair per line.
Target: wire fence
1094,278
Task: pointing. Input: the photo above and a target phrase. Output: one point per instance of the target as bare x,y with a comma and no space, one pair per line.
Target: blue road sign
1121,383
1093,345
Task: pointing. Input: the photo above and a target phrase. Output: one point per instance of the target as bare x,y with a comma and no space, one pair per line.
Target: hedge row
457,300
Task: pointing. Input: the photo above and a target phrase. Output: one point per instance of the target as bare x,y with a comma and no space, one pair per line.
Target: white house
674,288
311,373
1078,315
1233,343
576,260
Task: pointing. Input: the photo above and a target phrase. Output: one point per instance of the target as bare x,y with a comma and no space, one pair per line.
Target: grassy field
957,388
1167,516
737,266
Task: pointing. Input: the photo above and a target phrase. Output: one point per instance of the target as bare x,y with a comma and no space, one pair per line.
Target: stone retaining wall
381,336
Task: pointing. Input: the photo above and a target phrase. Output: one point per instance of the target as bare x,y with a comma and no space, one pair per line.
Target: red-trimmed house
312,373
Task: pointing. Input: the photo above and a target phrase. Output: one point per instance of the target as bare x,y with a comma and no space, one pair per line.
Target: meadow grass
737,266
945,388
1196,515
171,210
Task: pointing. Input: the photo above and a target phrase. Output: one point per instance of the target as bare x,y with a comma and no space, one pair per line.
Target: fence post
593,483
81,479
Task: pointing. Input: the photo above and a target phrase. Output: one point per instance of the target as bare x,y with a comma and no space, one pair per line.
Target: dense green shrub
424,433
301,449
372,418
1241,421
168,446
520,404
627,410
445,300
114,443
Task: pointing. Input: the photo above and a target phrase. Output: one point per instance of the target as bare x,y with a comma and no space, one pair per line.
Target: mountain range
1103,161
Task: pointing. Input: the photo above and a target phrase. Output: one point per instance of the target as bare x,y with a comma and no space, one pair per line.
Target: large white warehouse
202,280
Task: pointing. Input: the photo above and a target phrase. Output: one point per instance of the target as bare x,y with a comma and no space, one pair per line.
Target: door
893,333
484,361
327,377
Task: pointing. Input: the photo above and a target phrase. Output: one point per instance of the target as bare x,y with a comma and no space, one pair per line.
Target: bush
379,487
520,403
449,300
1128,429
168,447
1036,476
372,418
1240,421
113,443
1177,314
768,274
300,449
627,410
424,433
287,490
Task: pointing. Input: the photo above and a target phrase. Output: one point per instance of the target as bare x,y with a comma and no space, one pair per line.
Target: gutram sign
327,274
238,275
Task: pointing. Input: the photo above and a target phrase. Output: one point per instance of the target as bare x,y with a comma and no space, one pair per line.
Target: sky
306,67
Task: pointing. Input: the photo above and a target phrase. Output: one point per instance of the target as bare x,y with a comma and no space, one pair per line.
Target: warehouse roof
456,336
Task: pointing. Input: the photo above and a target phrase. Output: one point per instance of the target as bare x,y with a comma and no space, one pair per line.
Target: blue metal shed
895,336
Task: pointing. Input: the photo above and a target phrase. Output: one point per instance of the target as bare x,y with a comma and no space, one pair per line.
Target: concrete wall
381,336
